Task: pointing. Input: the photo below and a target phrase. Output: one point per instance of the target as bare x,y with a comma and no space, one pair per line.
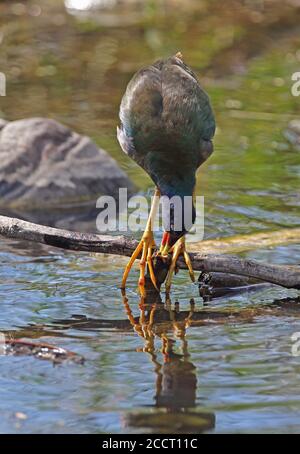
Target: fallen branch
286,276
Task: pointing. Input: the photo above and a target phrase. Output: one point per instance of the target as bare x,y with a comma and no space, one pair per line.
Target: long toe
178,249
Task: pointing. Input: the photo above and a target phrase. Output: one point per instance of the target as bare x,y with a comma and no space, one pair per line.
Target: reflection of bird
167,125
176,382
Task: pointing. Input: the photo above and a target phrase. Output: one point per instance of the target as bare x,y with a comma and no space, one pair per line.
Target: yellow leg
177,250
145,247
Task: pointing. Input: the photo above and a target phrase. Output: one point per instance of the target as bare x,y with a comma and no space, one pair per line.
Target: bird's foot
178,249
145,248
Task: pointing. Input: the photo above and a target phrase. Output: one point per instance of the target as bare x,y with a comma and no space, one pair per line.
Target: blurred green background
72,60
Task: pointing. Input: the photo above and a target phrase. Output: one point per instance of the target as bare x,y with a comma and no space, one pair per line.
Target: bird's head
178,216
176,182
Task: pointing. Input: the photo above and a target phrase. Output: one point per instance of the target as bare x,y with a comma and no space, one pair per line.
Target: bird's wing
140,111
165,107
187,112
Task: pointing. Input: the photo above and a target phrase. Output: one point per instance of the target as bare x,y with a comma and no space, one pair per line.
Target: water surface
228,373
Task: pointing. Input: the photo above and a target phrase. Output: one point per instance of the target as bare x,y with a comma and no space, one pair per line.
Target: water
224,373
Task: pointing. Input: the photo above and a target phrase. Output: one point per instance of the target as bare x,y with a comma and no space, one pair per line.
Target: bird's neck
177,187
171,176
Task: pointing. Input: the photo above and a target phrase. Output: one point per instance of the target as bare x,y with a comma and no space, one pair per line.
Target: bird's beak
165,244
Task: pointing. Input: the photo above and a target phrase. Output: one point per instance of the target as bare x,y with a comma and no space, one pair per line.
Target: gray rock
292,133
2,123
44,164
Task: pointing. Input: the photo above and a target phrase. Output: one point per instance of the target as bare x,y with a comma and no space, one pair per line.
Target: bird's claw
145,247
177,250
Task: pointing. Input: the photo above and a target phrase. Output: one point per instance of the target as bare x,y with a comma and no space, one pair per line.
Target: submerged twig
19,347
286,276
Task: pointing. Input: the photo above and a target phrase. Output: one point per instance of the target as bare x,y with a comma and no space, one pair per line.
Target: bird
167,126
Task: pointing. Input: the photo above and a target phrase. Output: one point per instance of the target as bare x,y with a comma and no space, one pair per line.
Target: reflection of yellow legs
149,329
177,250
145,247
